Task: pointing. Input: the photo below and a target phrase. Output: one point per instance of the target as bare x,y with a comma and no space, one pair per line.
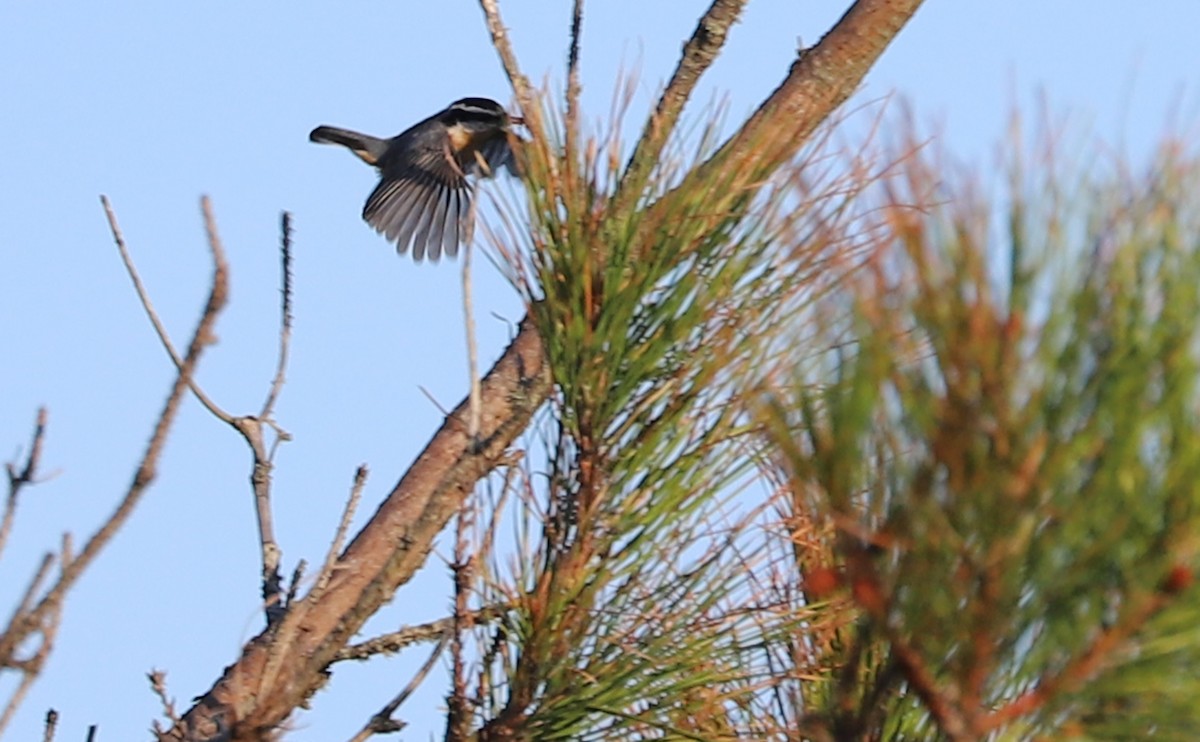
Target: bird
423,199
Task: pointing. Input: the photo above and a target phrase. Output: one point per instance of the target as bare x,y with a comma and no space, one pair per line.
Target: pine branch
395,543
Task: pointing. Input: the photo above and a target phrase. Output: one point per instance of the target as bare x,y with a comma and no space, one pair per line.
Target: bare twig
289,627
426,632
31,592
31,667
382,722
339,538
294,585
51,726
285,319
459,716
434,401
28,676
469,322
152,314
17,479
251,429
158,684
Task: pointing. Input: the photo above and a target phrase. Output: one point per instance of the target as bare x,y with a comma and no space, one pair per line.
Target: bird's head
478,116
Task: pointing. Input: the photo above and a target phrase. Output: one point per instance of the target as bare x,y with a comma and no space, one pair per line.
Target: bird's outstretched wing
426,202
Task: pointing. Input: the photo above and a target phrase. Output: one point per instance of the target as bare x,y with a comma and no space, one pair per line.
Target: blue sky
156,104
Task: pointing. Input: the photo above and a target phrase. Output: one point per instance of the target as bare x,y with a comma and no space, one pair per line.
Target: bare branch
285,319
18,697
27,599
458,717
289,627
409,635
387,552
44,616
31,667
152,314
339,538
51,726
469,322
158,684
251,429
18,479
294,585
382,722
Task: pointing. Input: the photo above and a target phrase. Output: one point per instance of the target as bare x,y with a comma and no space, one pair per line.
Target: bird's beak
516,121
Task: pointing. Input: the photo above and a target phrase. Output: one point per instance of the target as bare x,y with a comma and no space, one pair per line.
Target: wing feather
424,202
423,244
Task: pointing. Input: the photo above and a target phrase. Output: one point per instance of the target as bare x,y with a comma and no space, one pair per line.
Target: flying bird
423,199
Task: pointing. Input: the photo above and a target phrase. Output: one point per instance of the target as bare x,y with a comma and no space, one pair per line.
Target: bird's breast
460,138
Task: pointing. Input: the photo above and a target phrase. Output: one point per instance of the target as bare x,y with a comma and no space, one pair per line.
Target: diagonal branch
698,55
820,79
148,468
384,555
42,617
395,543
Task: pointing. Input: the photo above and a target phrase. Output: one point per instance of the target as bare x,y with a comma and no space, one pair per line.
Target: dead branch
458,714
250,427
285,315
158,685
51,726
382,722
339,538
42,617
289,625
19,478
410,635
148,306
31,667
469,326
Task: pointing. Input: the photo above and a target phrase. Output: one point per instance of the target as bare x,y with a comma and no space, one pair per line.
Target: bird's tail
368,148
